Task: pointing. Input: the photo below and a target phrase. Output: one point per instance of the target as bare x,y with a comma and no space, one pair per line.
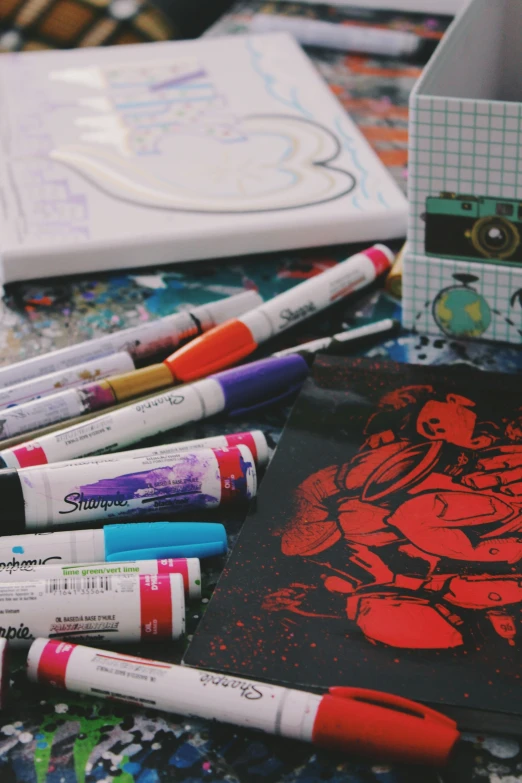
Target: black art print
384,547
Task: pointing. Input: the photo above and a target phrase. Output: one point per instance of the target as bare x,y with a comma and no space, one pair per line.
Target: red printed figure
427,518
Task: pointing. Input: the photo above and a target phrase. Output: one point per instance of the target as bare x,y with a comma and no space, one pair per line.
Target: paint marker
350,720
237,392
141,342
113,544
57,407
237,338
254,439
71,378
188,568
129,489
115,608
351,336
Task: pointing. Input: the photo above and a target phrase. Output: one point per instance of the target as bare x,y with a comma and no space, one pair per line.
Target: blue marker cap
158,540
255,385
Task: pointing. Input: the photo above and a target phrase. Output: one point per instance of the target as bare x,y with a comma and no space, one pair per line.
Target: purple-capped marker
237,391
253,386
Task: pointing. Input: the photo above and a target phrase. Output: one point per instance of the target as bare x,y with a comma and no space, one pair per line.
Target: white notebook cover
149,154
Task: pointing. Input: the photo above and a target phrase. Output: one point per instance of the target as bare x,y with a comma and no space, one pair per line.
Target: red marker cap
381,257
384,726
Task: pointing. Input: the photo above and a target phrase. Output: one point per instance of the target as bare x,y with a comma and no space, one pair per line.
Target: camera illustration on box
462,273
473,228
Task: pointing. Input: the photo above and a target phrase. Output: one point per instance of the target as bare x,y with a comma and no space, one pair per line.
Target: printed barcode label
79,584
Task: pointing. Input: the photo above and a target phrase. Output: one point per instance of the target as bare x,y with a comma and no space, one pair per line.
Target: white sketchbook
142,155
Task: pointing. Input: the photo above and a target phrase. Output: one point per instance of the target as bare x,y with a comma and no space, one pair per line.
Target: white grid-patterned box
462,299
465,171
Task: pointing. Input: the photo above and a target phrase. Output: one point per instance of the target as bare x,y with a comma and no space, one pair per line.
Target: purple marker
236,392
129,489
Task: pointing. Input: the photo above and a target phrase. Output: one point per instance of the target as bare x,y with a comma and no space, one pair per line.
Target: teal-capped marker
155,540
114,543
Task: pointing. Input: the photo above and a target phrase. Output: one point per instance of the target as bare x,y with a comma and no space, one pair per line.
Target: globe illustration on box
460,311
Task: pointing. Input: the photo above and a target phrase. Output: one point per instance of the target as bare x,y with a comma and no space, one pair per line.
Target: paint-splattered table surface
49,737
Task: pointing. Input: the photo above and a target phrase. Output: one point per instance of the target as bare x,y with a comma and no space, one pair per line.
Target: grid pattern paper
462,146
462,299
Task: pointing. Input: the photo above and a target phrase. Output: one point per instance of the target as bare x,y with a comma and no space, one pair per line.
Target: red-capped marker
350,720
232,341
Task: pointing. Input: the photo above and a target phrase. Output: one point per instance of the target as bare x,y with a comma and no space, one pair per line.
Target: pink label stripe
30,455
233,479
245,438
52,666
177,565
156,607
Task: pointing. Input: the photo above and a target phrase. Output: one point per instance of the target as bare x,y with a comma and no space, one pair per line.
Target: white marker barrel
19,569
131,488
163,335
114,431
68,378
172,688
123,608
254,439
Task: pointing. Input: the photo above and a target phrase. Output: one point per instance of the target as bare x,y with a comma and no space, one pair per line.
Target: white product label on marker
167,450
76,376
133,488
87,608
114,431
33,571
23,553
310,297
179,689
92,608
41,413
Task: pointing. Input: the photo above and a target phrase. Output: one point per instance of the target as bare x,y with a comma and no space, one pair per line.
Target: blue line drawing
382,200
349,144
271,84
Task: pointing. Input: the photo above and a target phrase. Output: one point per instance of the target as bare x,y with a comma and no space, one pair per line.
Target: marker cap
13,506
190,570
177,595
256,442
159,540
261,383
193,577
228,344
365,722
381,257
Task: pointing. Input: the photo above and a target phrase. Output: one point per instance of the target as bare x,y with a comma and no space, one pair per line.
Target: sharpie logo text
172,399
14,565
290,316
10,632
78,502
248,690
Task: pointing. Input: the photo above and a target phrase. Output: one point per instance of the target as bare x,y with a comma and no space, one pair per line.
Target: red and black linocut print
385,549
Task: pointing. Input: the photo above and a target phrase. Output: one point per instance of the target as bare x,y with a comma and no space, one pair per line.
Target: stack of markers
124,582
127,582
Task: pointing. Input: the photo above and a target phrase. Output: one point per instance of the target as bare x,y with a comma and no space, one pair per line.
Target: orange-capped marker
232,341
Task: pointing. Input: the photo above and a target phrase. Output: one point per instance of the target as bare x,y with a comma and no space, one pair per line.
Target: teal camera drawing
473,228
